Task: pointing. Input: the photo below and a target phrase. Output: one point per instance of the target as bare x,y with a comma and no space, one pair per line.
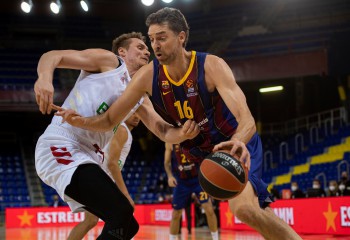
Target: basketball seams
225,195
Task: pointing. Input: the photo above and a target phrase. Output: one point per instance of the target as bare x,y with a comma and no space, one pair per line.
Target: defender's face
165,43
133,120
137,54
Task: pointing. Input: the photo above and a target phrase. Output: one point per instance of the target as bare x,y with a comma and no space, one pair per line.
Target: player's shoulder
121,132
122,127
213,59
213,64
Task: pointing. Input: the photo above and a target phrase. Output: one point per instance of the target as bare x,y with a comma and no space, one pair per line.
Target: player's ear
122,52
182,36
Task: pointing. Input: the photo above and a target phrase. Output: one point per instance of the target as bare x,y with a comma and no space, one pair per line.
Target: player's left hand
235,148
190,129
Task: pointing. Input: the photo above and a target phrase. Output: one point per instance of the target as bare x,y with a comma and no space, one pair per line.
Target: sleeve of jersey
133,110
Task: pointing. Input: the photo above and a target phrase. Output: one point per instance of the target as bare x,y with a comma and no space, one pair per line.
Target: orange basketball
222,176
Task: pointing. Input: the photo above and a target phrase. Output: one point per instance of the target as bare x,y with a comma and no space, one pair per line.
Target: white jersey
92,95
62,147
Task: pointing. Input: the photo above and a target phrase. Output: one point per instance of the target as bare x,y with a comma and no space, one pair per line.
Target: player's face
165,43
133,120
137,54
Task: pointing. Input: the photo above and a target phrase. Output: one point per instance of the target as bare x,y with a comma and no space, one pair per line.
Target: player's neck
178,68
132,67
131,71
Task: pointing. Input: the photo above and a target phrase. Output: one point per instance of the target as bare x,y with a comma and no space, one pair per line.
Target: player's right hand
44,91
235,147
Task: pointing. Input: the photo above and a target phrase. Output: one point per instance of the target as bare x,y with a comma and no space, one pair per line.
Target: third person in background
344,184
183,177
296,191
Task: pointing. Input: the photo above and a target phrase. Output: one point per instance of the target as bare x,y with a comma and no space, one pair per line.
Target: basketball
222,176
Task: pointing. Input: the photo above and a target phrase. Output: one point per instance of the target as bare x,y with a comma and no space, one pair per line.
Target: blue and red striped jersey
181,166
178,101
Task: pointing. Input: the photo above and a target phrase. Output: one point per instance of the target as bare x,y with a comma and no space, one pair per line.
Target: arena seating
18,69
13,185
318,160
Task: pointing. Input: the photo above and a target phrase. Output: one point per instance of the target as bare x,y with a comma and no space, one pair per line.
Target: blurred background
302,46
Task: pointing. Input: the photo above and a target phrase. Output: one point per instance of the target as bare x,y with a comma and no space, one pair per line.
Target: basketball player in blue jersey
183,177
70,159
186,85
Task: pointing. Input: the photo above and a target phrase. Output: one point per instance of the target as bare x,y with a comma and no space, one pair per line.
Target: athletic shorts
183,191
57,155
256,158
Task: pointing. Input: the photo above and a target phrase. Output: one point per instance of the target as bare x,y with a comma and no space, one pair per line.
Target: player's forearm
170,134
164,131
118,178
154,122
121,185
245,130
99,123
167,168
47,64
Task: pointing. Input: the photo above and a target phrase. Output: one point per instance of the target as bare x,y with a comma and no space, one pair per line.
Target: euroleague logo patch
229,160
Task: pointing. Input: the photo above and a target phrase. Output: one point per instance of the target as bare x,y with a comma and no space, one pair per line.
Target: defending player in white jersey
69,159
116,151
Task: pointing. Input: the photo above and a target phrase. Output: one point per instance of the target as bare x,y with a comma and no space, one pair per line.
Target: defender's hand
44,95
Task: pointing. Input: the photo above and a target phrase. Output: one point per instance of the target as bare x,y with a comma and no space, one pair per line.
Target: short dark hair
124,40
173,17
